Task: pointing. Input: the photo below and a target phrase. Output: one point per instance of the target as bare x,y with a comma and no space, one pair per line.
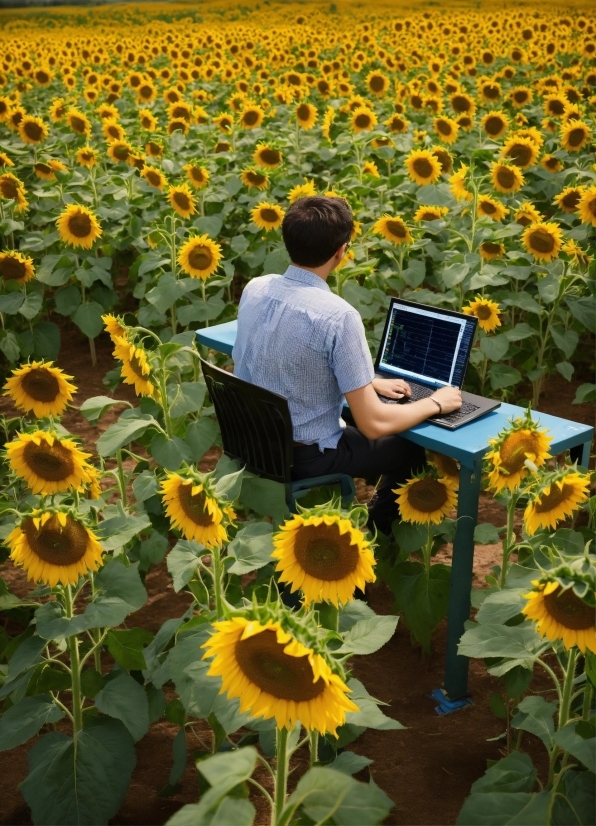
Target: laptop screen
427,344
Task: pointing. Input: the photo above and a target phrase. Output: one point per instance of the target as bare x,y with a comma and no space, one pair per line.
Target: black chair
256,429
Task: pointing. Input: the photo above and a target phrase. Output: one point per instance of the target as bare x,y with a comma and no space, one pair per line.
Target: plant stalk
218,581
281,774
75,666
509,540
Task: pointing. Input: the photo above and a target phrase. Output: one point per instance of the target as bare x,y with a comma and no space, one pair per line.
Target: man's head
315,228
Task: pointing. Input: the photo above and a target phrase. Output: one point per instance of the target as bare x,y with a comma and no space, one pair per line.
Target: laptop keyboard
421,391
465,408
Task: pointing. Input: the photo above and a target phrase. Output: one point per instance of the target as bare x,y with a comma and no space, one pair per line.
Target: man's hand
449,398
392,388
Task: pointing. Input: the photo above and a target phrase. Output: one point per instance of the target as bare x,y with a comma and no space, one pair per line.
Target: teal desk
467,444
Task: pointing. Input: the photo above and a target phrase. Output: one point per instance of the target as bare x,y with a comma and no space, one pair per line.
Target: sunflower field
148,153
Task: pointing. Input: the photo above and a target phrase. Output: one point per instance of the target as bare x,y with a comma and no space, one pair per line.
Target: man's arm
375,419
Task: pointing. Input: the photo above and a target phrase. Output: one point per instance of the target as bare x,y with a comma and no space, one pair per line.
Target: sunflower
327,122
78,122
444,158
5,161
423,167
192,510
560,614
267,156
377,83
199,257
426,498
276,676
306,115
495,124
551,163
491,208
462,104
527,214
87,156
457,184
154,149
393,229
305,190
267,216
12,189
446,466
32,130
47,171
148,120
222,146
135,368
543,240
521,151
557,499
14,266
154,177
396,123
40,388
363,120
446,128
520,96
575,135
112,130
430,213
182,200
554,105
506,178
253,179
48,463
521,440
324,556
587,206
487,312
198,176
78,226
225,122
370,168
491,250
113,327
568,200
120,152
54,547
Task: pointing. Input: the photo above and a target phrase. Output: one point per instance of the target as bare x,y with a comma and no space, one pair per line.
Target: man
298,339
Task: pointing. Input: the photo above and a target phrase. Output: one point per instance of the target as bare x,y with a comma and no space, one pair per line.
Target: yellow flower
148,120
12,189
377,83
575,135
487,312
363,120
276,676
495,124
113,327
40,388
393,229
54,548
568,200
491,250
306,115
135,368
199,257
48,463
370,168
267,156
78,226
87,156
527,214
78,122
444,158
587,206
256,180
520,441
458,186
561,615
328,119
14,266
267,216
491,208
423,167
506,178
112,130
430,213
5,161
551,163
543,240
305,190
396,123
197,175
154,177
555,501
426,499
121,152
192,511
521,151
446,128
446,466
181,200
251,117
324,556
32,130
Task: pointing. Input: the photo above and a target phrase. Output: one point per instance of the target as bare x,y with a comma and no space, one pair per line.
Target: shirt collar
306,277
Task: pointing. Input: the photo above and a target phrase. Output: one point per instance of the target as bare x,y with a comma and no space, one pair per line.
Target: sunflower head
487,312
14,266
521,151
305,190
423,167
575,135
254,179
78,226
506,177
40,388
457,183
393,229
568,199
554,497
198,176
427,498
49,463
363,120
114,327
520,447
193,507
543,240
182,200
267,156
491,208
267,216
136,366
200,256
306,115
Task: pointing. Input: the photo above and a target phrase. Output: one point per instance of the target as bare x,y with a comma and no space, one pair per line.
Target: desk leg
456,666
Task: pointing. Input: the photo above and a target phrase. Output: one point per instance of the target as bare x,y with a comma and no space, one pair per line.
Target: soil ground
427,768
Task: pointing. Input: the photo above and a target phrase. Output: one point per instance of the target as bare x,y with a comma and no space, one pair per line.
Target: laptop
429,347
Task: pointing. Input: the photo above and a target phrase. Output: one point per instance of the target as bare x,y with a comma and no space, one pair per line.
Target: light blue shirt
297,338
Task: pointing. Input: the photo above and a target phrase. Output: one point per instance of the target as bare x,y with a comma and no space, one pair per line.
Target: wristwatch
437,402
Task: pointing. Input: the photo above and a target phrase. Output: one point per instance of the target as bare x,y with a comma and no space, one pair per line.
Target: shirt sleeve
350,357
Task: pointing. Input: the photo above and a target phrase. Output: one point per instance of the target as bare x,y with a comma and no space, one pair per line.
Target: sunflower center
270,156
78,124
79,225
197,175
269,215
571,200
256,179
487,207
461,103
153,178
520,97
324,553
145,92
53,463
557,496
506,177
482,311
43,168
520,154
569,610
491,249
194,507
377,83
114,131
427,495
396,228
362,120
8,188
556,107
200,258
41,385
57,544
263,661
251,117
514,449
444,127
429,216
576,137
33,130
491,92
12,269
136,365
303,112
121,153
542,241
181,199
423,167
444,159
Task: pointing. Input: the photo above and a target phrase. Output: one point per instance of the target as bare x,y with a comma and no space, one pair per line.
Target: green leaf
122,432
169,453
23,720
409,536
414,274
119,592
153,549
126,647
32,305
514,773
200,311
565,369
566,340
182,561
535,715
150,262
116,532
501,606
224,772
11,302
524,301
521,331
91,682
211,224
369,635
369,714
329,796
231,810
486,534
583,749
46,340
500,809
264,496
352,612
145,486
125,700
9,344
454,274
501,375
585,393
239,244
197,691
349,762
86,785
277,261
584,310
575,803
94,408
228,487
87,317
518,644
186,397
166,293
200,436
251,548
495,347
422,597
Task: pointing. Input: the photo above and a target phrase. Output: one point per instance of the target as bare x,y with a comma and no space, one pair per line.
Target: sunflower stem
121,476
92,351
427,549
588,691
314,748
509,540
567,688
218,581
75,665
281,774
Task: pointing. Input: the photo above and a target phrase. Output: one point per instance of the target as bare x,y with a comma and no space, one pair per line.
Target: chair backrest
255,424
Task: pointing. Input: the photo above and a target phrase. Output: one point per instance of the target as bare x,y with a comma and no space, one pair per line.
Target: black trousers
392,458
